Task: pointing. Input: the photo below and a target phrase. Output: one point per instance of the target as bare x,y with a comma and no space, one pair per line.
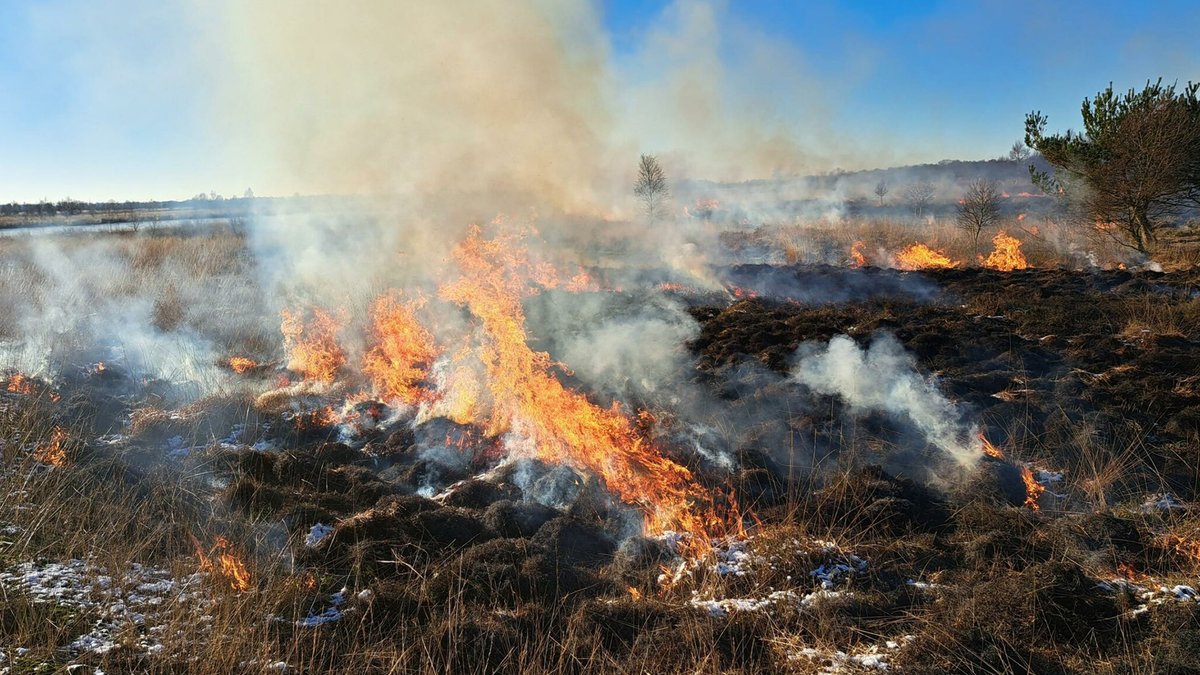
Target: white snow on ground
1150,596
329,614
734,557
873,658
317,533
1162,501
133,603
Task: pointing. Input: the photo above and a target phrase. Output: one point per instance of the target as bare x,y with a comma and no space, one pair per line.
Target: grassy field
160,512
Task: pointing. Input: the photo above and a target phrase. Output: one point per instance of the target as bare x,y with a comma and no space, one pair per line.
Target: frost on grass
1150,596
738,559
833,662
130,609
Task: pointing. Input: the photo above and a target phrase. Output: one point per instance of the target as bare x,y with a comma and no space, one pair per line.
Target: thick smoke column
884,377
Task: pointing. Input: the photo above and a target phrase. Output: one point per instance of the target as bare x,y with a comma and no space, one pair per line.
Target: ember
241,364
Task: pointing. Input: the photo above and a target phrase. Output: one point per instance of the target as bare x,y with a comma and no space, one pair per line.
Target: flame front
1033,489
989,449
221,562
54,451
241,364
1006,256
18,383
921,257
403,350
857,259
312,349
563,426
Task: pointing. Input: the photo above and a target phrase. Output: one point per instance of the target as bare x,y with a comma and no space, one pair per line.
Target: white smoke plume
884,377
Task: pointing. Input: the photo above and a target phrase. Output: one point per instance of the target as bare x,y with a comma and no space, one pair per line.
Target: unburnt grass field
212,528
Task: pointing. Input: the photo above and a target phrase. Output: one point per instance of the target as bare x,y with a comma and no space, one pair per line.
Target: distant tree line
73,207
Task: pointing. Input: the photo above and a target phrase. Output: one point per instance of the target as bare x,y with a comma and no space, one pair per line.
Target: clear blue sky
110,98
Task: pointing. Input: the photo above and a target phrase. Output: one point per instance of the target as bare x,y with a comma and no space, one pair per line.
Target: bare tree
979,209
881,190
651,187
1019,151
919,196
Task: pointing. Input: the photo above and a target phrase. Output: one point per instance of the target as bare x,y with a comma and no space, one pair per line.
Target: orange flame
240,364
634,593
920,257
857,259
1020,217
1033,489
403,350
1007,255
316,419
563,426
222,563
312,349
54,452
18,383
989,449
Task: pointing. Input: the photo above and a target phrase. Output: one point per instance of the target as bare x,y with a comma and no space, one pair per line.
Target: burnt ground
531,568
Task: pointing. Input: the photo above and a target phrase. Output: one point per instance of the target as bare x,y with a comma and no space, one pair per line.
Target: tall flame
562,426
403,350
222,563
1006,256
54,451
1033,489
312,349
920,257
857,259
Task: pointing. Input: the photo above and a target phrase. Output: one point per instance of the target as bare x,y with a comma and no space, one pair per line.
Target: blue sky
112,99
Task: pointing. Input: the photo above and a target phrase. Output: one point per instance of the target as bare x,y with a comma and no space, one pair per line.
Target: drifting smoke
884,377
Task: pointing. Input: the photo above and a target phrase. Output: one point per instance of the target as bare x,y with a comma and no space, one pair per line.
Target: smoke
884,377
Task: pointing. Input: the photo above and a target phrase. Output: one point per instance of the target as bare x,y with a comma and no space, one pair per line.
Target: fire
403,350
1020,217
634,593
920,257
582,283
316,419
20,384
221,562
240,364
563,426
54,452
989,449
1033,489
856,254
1006,256
312,349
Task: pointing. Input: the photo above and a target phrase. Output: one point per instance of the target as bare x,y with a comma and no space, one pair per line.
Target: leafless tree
881,190
1019,151
651,187
979,209
919,196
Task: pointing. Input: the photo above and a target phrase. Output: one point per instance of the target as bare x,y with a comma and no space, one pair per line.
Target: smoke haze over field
138,99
